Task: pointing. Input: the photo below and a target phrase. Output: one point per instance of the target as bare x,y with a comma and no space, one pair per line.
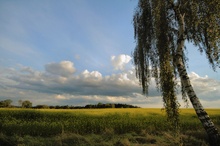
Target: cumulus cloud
92,75
64,68
206,88
60,97
92,87
86,83
119,62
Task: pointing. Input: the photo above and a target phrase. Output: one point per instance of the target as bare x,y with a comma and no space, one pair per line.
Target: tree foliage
26,104
157,33
5,103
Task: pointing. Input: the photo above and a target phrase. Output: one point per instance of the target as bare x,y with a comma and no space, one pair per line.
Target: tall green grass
93,121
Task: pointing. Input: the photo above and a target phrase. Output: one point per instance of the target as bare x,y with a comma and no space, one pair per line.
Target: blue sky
78,52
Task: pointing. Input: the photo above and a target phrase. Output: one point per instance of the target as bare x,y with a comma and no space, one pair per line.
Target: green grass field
100,127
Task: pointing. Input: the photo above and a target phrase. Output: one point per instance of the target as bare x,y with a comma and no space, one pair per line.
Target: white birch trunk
208,125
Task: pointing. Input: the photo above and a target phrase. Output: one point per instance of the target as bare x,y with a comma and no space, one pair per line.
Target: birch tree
161,29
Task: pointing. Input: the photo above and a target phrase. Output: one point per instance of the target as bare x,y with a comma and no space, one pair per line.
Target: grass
100,127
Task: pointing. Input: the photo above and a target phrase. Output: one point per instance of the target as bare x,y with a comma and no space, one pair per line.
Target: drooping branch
153,53
161,28
201,113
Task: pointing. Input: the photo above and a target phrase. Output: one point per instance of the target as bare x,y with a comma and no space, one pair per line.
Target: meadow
121,127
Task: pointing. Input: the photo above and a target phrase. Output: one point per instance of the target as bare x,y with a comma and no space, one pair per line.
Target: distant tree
41,106
100,105
5,103
65,107
161,28
8,103
26,104
52,107
89,106
71,107
57,107
109,105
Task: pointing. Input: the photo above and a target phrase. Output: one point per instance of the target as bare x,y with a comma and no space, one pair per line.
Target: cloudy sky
78,52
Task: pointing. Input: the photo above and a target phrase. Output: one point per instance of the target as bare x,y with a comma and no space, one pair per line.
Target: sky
78,52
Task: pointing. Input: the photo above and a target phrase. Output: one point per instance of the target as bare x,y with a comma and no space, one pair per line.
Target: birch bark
213,134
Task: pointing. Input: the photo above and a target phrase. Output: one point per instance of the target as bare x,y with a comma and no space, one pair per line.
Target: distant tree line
110,105
89,106
27,104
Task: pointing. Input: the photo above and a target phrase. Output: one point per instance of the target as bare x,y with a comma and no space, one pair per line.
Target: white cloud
92,87
120,61
60,97
87,83
206,88
92,75
64,68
